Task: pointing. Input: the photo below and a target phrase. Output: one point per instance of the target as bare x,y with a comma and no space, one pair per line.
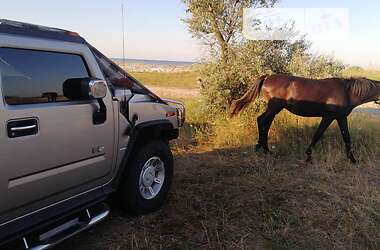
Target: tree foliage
236,61
218,22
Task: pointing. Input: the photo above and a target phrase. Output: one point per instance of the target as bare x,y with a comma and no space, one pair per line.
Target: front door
49,145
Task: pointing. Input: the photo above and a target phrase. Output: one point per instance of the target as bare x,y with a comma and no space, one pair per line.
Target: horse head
378,93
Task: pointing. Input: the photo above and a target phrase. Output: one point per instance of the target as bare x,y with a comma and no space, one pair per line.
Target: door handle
22,127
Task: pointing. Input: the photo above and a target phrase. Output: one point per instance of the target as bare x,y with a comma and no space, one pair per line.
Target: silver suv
74,128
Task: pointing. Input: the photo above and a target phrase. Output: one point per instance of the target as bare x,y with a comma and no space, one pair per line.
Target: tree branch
218,34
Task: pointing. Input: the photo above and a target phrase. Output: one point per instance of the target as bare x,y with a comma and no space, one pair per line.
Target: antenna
123,32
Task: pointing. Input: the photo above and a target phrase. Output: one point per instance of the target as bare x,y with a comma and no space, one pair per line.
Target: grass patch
168,79
331,204
227,196
360,72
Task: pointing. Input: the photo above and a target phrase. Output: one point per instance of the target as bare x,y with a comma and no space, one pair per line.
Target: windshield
116,76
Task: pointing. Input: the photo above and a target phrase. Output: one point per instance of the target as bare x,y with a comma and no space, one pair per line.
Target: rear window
31,76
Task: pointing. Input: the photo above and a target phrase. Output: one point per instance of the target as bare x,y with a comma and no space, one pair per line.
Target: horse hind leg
264,123
260,125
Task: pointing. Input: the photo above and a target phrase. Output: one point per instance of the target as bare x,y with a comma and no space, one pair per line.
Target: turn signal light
170,114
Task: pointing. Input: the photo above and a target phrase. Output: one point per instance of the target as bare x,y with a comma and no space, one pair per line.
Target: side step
65,229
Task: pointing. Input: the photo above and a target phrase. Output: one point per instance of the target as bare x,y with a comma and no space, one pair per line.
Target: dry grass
331,204
185,79
174,92
360,72
226,196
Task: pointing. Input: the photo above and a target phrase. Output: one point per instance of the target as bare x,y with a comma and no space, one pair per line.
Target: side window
31,76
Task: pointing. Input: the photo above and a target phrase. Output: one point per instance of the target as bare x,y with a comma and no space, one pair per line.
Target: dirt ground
237,199
234,199
207,209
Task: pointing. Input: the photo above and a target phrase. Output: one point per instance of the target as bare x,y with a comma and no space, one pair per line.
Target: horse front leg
343,125
324,124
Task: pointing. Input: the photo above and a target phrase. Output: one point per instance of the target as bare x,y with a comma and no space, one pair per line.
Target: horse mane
361,87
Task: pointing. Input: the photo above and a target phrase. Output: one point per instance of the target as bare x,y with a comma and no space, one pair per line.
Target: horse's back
299,88
296,91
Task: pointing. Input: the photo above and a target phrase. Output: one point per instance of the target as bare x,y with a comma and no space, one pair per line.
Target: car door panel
68,154
61,154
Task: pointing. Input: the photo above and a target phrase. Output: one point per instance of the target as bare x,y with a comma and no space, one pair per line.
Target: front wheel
146,184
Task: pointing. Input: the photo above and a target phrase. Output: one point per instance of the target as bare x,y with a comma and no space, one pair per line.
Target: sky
154,30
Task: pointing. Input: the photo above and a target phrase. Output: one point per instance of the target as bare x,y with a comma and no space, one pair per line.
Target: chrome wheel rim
152,178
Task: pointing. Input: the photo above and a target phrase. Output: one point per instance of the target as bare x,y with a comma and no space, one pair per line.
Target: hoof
309,160
265,149
352,158
308,156
257,148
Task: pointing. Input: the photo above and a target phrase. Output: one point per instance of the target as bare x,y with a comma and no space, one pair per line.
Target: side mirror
98,89
84,88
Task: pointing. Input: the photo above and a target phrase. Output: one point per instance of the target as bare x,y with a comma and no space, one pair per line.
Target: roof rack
38,31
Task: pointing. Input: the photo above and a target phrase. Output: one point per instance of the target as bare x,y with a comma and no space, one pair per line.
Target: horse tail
252,93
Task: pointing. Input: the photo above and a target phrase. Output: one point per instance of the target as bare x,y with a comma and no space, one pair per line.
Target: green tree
236,62
218,22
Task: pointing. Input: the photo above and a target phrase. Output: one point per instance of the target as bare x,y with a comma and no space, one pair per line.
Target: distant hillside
140,65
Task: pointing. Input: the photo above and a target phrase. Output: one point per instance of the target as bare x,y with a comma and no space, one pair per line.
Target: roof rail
38,31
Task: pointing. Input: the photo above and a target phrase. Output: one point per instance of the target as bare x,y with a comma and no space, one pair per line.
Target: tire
135,195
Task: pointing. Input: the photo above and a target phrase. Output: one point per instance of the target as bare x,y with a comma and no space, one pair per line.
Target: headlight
181,112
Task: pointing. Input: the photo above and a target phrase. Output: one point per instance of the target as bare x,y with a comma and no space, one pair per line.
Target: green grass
360,72
168,79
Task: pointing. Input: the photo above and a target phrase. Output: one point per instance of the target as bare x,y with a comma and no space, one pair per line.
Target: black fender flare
158,129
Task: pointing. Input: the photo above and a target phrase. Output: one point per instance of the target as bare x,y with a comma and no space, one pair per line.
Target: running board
72,226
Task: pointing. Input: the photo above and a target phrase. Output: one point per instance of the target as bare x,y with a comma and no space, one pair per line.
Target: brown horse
332,99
